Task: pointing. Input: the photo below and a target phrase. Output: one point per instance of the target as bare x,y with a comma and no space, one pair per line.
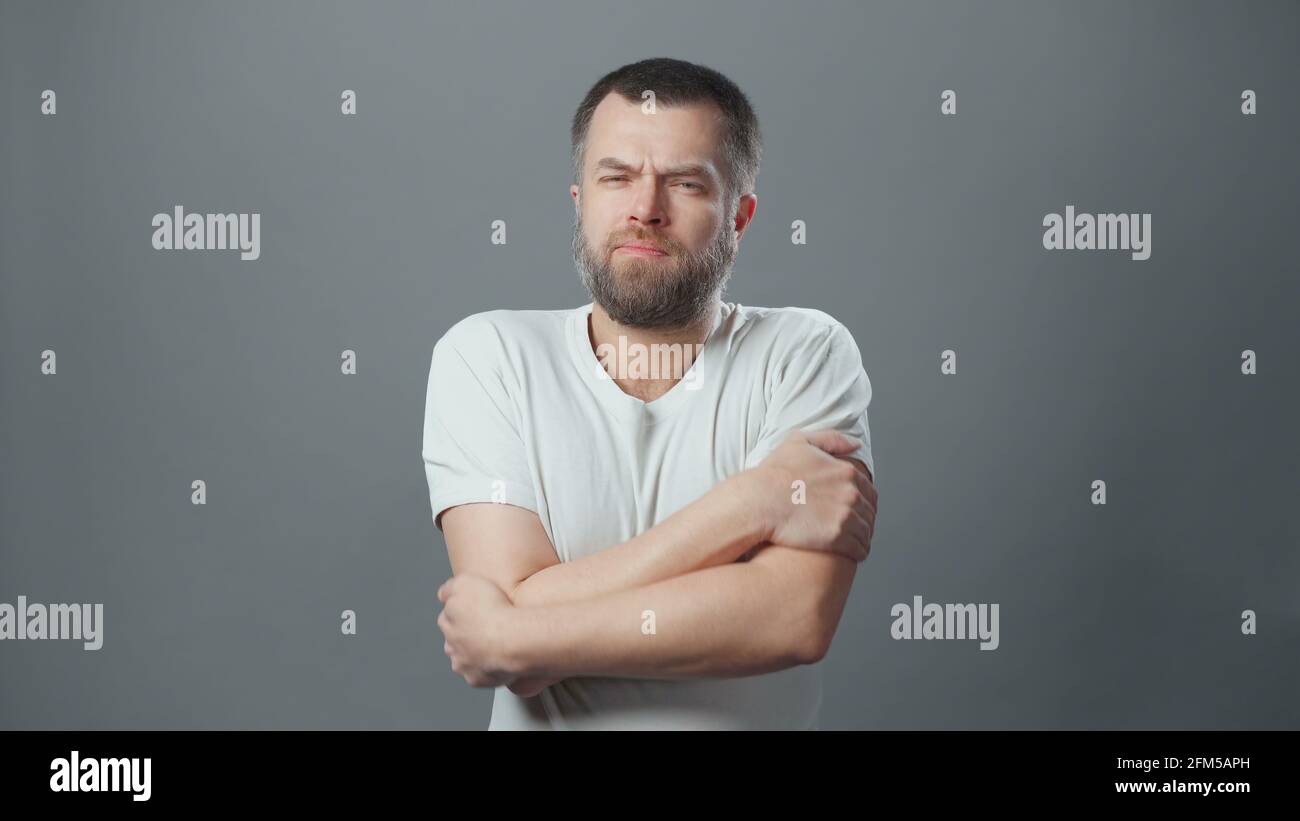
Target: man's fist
820,499
475,621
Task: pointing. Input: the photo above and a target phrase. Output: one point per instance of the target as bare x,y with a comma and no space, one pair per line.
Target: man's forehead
684,138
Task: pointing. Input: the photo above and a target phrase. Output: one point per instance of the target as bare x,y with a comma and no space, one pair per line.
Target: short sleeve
473,450
821,386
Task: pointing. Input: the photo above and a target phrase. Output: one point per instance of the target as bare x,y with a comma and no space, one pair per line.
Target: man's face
659,180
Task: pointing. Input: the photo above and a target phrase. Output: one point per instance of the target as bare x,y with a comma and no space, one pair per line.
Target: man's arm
509,546
776,611
735,608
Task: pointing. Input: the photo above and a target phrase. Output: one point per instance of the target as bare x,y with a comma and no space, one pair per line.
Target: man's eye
603,179
694,185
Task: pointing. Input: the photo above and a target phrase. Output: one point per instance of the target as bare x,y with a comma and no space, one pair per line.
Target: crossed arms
515,615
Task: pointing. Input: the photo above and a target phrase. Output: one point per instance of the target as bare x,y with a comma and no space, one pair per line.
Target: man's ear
745,208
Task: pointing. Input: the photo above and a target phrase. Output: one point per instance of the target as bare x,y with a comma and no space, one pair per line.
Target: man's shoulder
788,318
500,342
495,331
788,328
506,322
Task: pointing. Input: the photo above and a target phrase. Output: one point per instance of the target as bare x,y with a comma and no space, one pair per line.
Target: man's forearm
714,530
736,619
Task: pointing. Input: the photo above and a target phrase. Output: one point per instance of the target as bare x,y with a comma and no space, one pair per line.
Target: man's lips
641,249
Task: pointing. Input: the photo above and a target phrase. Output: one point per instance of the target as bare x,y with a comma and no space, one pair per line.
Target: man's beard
645,292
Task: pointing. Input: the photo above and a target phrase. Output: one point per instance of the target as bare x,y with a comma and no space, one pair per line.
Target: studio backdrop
1061,234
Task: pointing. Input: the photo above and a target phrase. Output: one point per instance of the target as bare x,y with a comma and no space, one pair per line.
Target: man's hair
674,83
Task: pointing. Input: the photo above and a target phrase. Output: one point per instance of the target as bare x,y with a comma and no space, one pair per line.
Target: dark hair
677,82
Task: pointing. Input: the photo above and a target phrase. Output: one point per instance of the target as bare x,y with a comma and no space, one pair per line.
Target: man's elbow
522,594
834,595
822,582
816,640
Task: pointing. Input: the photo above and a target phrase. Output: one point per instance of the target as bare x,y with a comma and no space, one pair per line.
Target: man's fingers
865,488
858,542
867,496
862,470
833,442
862,531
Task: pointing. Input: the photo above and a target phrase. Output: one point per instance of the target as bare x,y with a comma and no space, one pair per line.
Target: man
662,542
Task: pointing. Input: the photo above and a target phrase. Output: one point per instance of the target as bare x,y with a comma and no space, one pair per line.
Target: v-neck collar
613,397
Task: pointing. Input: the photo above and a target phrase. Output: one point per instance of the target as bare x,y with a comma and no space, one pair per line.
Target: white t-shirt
520,411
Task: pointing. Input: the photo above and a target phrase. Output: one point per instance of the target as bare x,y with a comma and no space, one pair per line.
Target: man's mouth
641,249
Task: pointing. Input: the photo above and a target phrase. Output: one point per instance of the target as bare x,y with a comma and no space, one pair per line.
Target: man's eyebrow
687,170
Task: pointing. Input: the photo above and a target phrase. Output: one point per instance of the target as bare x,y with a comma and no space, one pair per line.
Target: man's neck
640,364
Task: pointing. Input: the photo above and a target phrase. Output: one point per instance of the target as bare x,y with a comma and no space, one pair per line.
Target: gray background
924,233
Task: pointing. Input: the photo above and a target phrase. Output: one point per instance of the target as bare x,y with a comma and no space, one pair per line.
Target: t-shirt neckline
608,391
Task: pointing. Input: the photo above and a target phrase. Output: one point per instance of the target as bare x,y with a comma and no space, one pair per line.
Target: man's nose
647,202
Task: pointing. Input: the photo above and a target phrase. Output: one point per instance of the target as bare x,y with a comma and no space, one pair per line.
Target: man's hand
835,509
476,623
